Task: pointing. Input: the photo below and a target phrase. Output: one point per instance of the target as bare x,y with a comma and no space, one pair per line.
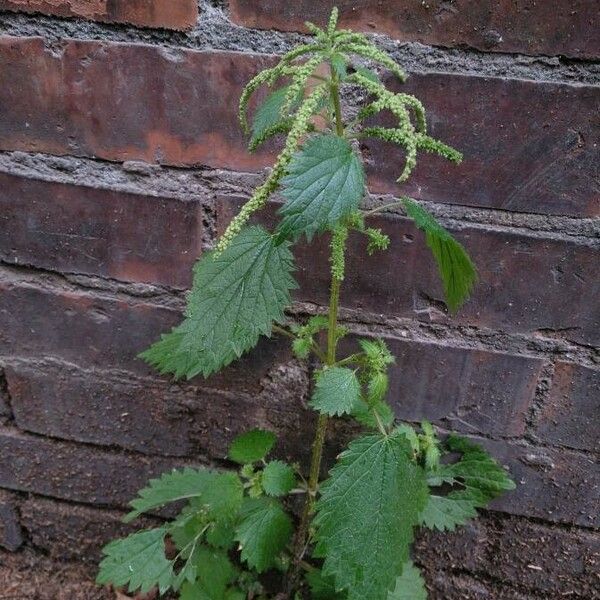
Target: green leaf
214,573
221,534
325,183
456,270
410,585
337,391
138,561
365,414
235,298
220,494
368,73
278,478
366,514
480,479
321,587
263,532
252,446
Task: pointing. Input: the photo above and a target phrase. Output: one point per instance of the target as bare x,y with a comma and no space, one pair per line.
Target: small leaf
454,265
338,63
138,561
252,446
337,391
235,298
263,532
368,507
410,585
325,183
214,573
480,478
220,493
278,478
365,414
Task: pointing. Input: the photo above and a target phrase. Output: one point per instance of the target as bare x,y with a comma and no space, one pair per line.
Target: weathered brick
10,527
466,389
106,332
572,408
125,101
446,586
73,472
563,27
155,417
168,14
526,283
555,485
528,146
537,557
73,532
5,410
99,232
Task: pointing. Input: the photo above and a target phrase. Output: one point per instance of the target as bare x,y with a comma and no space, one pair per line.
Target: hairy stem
301,540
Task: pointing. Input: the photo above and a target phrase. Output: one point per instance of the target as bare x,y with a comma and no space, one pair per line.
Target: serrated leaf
137,561
263,532
321,587
325,183
278,478
368,507
456,270
219,493
480,478
214,573
337,391
251,446
235,298
410,585
365,414
221,534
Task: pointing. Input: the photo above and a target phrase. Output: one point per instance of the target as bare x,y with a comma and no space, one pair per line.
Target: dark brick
469,390
168,14
69,532
572,408
5,410
526,283
10,528
563,27
444,586
106,332
72,472
540,558
155,417
99,232
125,101
555,485
528,146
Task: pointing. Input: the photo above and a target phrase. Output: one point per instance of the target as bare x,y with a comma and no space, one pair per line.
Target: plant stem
301,540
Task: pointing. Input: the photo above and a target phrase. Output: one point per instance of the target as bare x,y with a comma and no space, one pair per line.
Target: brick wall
121,160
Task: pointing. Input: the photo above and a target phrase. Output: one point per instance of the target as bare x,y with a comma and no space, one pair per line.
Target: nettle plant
238,534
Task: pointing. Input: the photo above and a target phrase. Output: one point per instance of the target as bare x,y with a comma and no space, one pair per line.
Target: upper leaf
263,532
479,479
454,265
251,446
278,478
337,391
366,514
325,183
410,585
235,298
138,561
219,493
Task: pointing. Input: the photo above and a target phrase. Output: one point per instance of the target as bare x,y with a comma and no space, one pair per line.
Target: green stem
301,540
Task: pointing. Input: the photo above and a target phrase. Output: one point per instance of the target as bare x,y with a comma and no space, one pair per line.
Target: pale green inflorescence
338,251
262,193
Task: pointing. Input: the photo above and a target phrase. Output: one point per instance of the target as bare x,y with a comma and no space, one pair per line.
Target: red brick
106,332
532,556
78,229
555,485
528,146
71,532
125,101
466,389
526,283
10,528
155,417
563,27
72,472
168,14
572,411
